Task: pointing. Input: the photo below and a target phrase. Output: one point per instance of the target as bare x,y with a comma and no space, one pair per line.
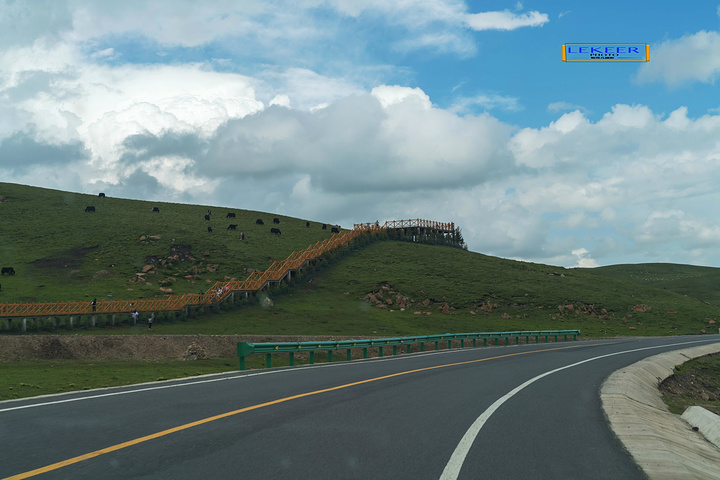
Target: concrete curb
661,443
705,421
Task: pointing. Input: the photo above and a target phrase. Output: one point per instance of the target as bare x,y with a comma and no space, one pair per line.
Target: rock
147,268
195,352
267,302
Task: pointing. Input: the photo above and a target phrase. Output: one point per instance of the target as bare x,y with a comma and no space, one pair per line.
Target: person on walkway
134,316
150,319
94,304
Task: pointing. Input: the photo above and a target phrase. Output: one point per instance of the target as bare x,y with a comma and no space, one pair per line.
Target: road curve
529,411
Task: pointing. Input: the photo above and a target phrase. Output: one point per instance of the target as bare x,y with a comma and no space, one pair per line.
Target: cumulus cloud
583,261
691,58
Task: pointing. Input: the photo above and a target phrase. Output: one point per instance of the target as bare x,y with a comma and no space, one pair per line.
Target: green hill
697,282
386,288
62,253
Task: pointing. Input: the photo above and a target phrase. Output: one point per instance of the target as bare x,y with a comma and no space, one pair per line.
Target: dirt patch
133,347
695,383
71,259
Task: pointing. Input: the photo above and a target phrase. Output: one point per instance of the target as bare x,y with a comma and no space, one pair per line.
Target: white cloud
582,260
281,100
560,106
505,20
691,58
489,101
392,94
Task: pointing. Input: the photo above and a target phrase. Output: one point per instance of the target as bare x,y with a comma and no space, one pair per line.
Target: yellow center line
120,446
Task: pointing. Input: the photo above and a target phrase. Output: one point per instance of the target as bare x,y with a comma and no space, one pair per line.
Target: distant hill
702,283
124,250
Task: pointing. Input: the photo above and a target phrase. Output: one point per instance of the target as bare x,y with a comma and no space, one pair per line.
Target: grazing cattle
307,224
334,230
259,221
7,271
324,226
89,208
101,195
230,215
276,220
156,209
232,226
209,229
207,217
276,231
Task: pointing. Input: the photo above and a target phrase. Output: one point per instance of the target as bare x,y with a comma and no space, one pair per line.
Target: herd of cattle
232,226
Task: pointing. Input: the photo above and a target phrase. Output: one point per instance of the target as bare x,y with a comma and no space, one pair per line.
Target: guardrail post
474,342
394,350
546,339
462,343
507,340
268,360
422,346
437,345
449,344
485,342
380,351
312,358
292,359
349,356
408,348
556,338
364,352
329,356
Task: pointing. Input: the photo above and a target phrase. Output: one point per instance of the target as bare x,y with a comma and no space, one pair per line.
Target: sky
346,111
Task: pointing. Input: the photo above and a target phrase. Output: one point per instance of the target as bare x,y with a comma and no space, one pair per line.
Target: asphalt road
517,412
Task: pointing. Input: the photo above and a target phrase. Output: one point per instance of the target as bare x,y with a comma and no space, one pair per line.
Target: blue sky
348,111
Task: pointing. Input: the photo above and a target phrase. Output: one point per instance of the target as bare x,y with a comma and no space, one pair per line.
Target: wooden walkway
220,291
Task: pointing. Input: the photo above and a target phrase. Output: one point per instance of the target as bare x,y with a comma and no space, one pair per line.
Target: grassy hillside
386,289
60,252
443,289
697,282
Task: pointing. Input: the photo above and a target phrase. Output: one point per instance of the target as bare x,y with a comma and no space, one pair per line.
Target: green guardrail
245,349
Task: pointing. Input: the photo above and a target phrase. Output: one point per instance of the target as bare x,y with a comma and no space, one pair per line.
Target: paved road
529,411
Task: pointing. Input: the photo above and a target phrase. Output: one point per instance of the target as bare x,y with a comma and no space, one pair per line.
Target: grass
62,253
44,377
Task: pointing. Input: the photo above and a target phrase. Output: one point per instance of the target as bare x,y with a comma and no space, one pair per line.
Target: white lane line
452,469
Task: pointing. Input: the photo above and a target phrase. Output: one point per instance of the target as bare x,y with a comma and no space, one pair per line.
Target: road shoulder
661,443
